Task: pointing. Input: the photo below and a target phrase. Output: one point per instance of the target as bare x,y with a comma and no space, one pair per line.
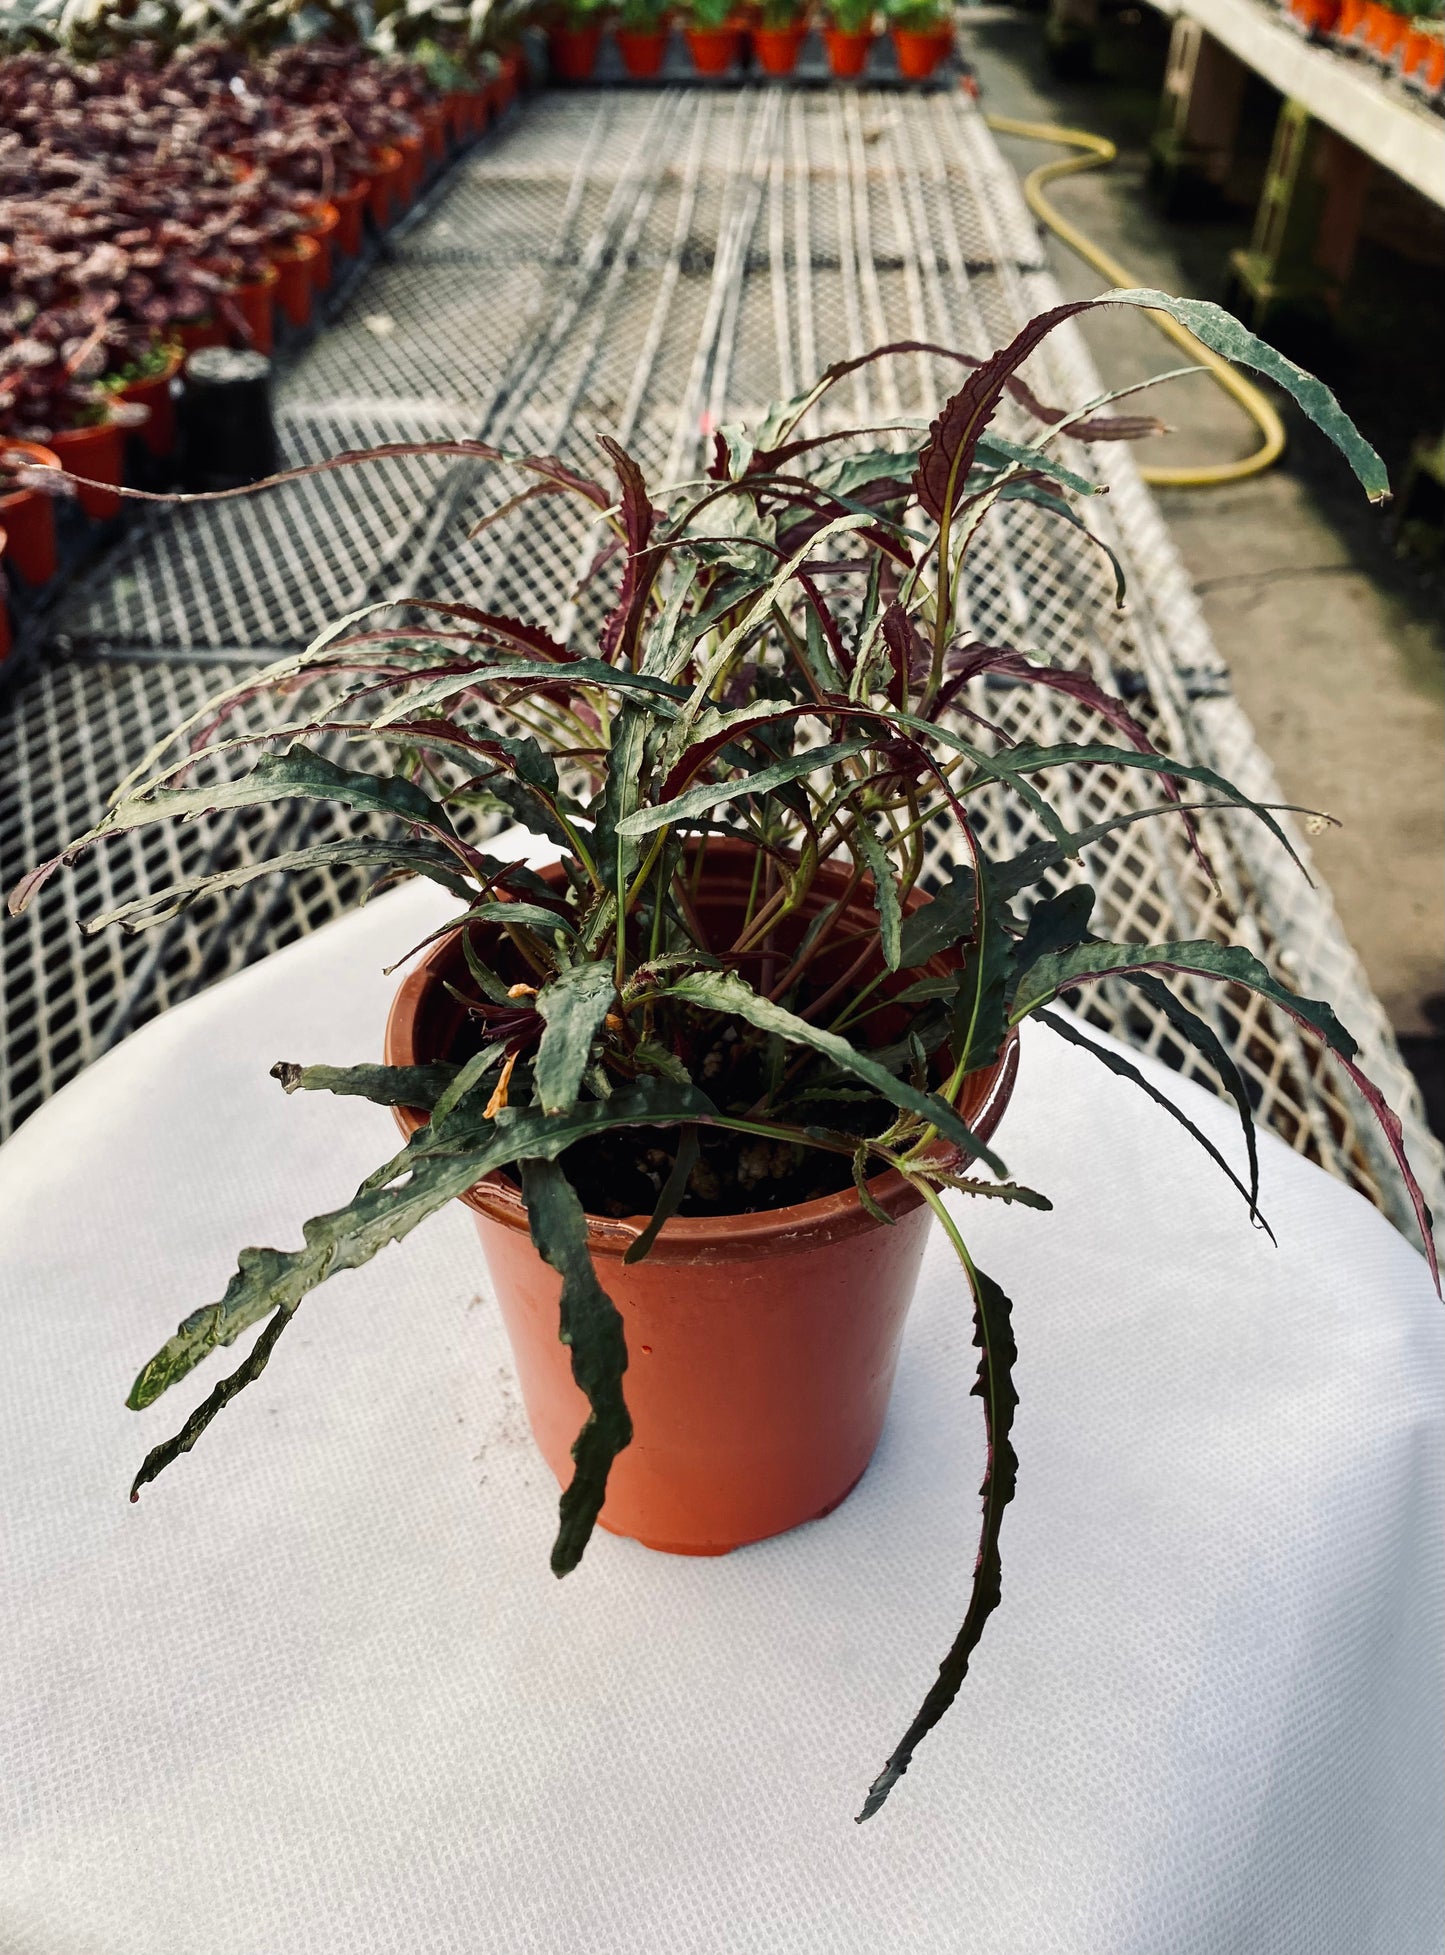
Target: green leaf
440,1161
993,1334
1223,334
942,924
1056,923
980,1014
574,1006
1116,1063
592,1330
413,858
670,1194
418,1086
578,672
297,775
885,892
724,991
762,780
1233,965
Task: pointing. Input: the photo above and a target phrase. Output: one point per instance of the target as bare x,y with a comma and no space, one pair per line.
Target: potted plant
704,1079
779,34
641,34
848,33
574,39
713,30
27,512
922,32
50,394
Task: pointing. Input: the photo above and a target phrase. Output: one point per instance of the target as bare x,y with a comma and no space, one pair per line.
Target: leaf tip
288,1073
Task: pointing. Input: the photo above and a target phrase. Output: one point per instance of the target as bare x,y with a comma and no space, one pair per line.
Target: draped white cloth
318,1692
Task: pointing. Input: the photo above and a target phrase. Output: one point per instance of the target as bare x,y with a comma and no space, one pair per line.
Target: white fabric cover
318,1692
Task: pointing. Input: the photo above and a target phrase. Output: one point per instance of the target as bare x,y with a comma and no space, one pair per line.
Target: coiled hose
1096,153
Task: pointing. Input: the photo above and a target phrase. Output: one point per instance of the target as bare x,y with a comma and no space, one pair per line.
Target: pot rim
685,1238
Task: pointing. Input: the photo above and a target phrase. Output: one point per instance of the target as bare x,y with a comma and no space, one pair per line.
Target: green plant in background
917,16
711,13
643,16
778,14
852,16
779,660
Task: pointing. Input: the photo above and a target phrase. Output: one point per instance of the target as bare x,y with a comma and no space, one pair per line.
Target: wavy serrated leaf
941,924
670,1195
592,1329
762,780
885,893
724,991
993,1334
1235,965
414,1086
574,1006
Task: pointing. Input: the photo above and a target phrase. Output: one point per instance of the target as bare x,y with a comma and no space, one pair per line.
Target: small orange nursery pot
761,1347
350,204
159,431
1384,28
919,53
778,48
573,51
643,51
321,224
28,517
847,53
254,304
387,197
413,169
97,454
715,49
295,266
6,642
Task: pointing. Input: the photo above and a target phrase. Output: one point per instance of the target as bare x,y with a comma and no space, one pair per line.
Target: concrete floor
1336,645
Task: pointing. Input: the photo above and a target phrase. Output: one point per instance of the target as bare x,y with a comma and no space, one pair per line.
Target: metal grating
650,263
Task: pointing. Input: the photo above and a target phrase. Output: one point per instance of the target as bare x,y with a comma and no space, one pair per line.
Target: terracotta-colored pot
1423,53
6,641
513,76
919,53
1384,28
466,113
250,311
715,49
194,334
159,431
761,1347
387,198
778,48
572,51
847,53
28,516
295,264
321,224
434,131
643,51
413,168
350,204
1351,20
98,455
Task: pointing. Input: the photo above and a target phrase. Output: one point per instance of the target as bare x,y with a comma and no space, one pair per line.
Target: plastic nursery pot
98,455
387,197
643,50
227,436
572,51
159,431
196,334
778,48
847,53
761,1347
254,305
434,131
320,224
28,517
350,203
6,641
513,76
714,49
413,168
1351,20
920,51
295,277
1384,28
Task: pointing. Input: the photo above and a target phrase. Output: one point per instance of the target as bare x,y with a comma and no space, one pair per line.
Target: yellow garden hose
1096,153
